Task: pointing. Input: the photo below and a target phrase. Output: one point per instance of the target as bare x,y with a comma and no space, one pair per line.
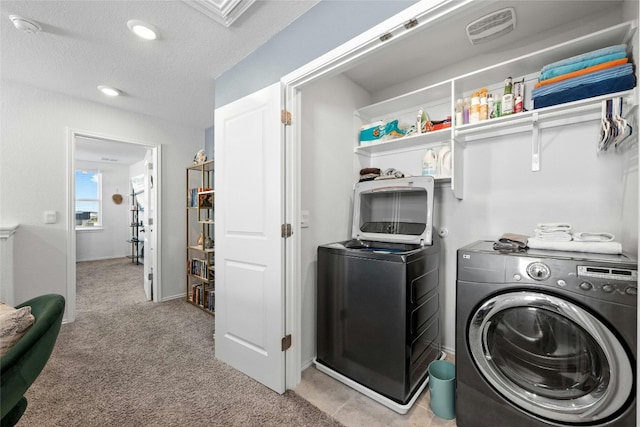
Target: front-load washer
545,338
378,324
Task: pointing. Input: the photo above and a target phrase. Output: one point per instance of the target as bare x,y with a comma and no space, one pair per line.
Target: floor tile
354,409
326,393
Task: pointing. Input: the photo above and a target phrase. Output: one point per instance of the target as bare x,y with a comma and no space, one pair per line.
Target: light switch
304,219
49,217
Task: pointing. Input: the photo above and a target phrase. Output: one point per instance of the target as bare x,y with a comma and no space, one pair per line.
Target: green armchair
22,364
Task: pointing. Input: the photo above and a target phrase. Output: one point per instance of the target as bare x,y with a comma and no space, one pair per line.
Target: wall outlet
49,217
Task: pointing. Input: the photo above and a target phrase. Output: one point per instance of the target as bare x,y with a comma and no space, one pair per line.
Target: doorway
124,221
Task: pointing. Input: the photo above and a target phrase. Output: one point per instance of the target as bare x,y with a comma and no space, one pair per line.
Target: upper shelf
556,115
443,92
404,143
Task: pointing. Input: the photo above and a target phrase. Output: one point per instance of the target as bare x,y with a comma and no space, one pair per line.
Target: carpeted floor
129,362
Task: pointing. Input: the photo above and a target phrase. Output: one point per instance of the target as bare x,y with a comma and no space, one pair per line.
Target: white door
148,217
249,248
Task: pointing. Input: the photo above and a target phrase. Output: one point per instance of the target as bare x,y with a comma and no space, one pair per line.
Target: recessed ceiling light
142,29
24,24
109,91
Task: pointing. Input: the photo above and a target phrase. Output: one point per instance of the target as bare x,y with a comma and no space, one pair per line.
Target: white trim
293,299
71,227
97,228
72,134
334,61
101,258
224,12
7,231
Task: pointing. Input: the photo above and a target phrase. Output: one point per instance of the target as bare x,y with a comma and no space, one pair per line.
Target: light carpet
129,362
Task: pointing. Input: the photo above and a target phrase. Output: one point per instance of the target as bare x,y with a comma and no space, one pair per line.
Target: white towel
587,236
553,236
547,227
591,247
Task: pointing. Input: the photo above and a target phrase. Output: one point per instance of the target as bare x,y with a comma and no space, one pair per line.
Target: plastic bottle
517,106
430,163
474,113
491,106
465,111
419,121
484,108
459,112
507,98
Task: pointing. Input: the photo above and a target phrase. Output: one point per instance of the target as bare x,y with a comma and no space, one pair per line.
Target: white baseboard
99,258
169,298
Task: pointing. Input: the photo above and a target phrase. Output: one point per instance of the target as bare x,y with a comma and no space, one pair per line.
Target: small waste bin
442,386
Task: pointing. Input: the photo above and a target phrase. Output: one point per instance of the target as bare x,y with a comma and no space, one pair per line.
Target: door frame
328,65
72,134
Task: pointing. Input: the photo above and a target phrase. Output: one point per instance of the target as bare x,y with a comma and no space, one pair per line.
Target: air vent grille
492,26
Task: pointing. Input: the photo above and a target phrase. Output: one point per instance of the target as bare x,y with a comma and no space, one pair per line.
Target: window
88,199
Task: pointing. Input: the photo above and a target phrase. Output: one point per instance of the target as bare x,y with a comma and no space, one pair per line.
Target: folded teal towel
609,73
619,48
558,71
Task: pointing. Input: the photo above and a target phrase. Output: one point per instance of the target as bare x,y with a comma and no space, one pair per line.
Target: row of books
199,267
204,296
192,195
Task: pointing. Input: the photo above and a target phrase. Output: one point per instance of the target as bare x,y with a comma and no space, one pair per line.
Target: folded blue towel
569,68
585,56
602,87
613,72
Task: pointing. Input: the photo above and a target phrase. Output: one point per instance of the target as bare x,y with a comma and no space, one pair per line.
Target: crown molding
224,12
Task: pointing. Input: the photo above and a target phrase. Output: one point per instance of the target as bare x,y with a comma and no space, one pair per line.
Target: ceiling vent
492,26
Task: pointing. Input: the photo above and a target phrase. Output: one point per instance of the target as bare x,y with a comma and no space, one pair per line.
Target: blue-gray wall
208,142
324,27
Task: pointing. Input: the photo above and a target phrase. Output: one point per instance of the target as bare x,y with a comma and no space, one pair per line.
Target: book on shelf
192,196
205,200
198,267
203,296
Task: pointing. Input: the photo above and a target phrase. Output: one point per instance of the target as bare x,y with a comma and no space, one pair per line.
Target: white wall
109,240
33,178
328,169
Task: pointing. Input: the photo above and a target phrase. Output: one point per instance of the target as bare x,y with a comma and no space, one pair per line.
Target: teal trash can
442,387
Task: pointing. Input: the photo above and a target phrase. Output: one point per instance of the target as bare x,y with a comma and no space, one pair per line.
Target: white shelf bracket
535,144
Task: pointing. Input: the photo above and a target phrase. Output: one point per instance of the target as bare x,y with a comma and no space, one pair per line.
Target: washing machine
545,338
378,324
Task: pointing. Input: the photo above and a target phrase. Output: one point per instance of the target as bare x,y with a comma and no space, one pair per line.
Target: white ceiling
87,43
113,152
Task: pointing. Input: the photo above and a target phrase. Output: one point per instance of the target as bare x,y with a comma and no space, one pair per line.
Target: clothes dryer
545,338
378,324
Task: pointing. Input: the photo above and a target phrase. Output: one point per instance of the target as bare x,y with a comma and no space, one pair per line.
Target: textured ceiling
87,43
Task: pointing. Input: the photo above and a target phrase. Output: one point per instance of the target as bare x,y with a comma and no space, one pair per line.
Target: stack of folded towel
599,72
554,232
558,237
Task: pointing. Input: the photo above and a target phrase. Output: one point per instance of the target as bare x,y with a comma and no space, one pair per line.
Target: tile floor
354,409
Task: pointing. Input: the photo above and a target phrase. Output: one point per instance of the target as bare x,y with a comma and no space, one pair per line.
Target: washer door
550,357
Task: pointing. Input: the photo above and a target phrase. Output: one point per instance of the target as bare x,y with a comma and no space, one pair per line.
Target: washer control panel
538,271
608,273
611,283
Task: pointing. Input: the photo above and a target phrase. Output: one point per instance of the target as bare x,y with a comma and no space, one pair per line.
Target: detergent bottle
430,163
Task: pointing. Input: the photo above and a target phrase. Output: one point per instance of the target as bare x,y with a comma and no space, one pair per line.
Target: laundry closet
506,174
